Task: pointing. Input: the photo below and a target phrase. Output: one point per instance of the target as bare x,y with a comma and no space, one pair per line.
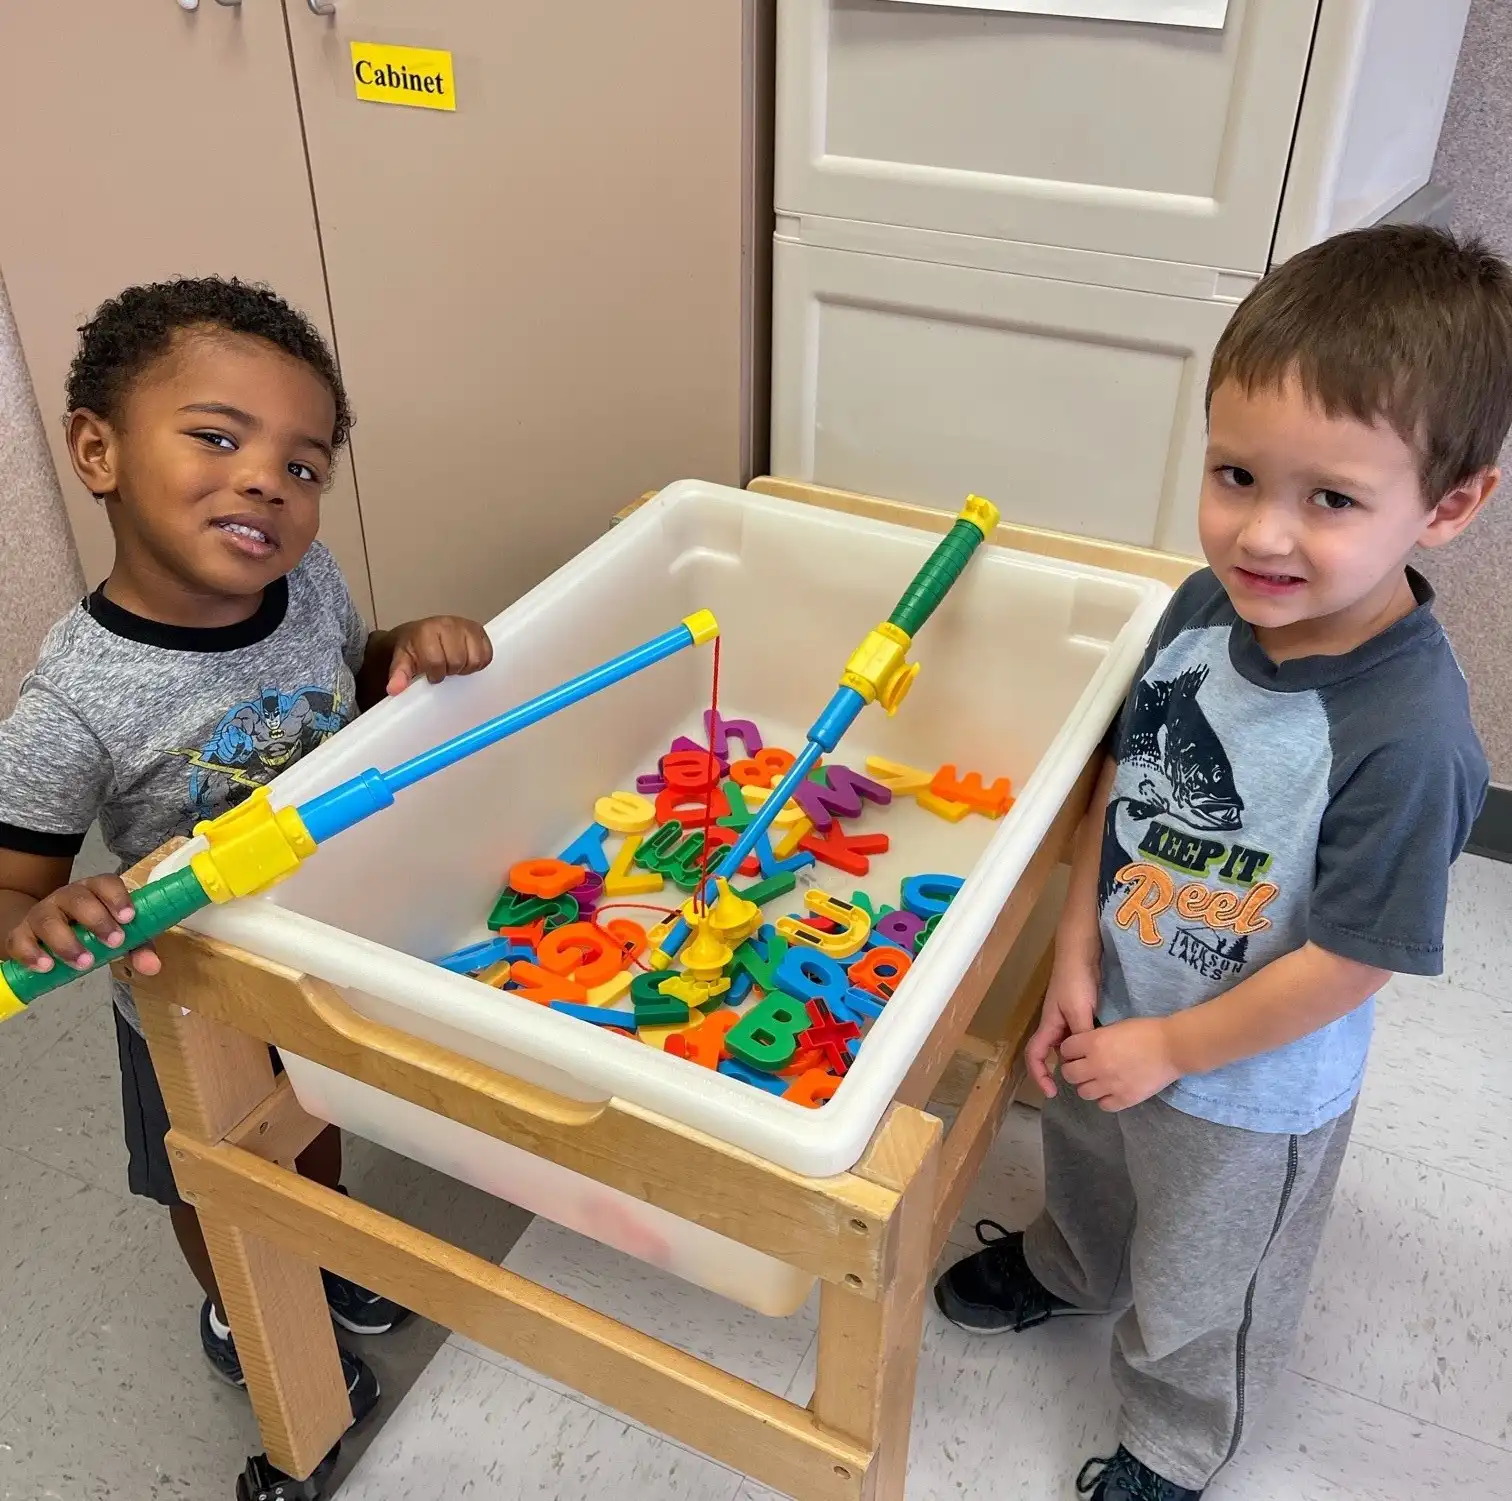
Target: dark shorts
144,1116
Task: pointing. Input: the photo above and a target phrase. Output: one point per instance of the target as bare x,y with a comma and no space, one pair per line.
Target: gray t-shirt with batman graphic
150,728
1258,807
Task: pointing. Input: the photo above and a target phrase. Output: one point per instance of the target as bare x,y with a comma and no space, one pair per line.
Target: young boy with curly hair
1293,775
206,416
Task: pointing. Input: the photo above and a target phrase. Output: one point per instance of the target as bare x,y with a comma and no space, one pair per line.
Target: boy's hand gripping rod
251,847
878,669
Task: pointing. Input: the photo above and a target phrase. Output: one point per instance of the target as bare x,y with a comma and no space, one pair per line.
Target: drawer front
1074,407
1155,141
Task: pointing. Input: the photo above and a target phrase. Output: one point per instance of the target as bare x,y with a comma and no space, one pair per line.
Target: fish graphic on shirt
1184,774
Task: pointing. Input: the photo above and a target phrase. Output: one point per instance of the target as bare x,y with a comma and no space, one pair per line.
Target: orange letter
812,1089
1193,901
1223,909
547,878
1152,893
1249,919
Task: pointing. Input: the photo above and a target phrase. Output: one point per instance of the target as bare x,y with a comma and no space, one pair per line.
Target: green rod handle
160,905
936,578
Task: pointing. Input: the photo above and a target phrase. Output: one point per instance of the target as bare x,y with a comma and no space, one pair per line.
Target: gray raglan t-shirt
150,728
1258,807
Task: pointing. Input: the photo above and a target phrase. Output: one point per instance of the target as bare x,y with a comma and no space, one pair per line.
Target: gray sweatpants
1204,1237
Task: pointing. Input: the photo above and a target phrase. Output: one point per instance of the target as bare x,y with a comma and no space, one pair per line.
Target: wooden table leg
212,1077
869,1347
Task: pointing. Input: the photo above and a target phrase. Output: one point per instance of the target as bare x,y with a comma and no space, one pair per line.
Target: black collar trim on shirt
256,628
1251,661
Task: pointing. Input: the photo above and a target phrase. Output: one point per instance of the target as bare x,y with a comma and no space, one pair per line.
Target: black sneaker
1124,1478
220,1349
362,1386
994,1292
357,1310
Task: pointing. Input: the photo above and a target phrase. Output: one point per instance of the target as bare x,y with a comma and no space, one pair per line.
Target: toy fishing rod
878,670
253,846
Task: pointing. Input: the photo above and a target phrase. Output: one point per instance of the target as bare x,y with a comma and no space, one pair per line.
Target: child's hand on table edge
440,646
1122,1064
101,904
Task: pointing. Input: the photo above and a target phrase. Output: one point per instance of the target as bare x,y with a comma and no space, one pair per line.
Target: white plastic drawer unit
1141,140
1078,407
1024,666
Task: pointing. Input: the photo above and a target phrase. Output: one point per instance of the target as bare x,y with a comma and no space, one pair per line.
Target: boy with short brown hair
1294,773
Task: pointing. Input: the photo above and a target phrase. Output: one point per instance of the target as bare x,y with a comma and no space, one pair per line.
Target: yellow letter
625,812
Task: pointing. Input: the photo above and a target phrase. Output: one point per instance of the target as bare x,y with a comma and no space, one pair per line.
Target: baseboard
1492,834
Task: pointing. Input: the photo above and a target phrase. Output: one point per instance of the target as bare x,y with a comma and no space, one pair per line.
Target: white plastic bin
1023,668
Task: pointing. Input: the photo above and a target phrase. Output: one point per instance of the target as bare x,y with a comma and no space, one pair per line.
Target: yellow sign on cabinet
416,76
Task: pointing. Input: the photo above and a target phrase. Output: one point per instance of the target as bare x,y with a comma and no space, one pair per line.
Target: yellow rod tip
10,1003
981,513
702,626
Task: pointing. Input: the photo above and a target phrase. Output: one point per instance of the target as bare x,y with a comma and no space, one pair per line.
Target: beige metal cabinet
540,297
140,141
543,302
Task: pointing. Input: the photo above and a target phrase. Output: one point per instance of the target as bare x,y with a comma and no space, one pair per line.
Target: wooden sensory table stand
871,1235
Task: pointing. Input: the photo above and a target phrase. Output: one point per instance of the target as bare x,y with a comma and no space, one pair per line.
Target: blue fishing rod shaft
371,791
839,715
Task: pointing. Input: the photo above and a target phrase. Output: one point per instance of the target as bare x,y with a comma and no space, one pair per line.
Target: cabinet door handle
323,7
194,4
